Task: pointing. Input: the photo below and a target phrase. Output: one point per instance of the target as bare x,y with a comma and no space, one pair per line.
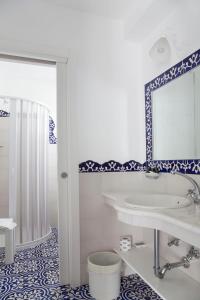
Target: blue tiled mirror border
184,66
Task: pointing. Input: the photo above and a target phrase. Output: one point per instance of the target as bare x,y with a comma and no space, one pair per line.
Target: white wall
99,228
103,70
30,81
181,28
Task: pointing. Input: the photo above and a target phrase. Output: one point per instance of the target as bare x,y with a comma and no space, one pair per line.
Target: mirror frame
185,166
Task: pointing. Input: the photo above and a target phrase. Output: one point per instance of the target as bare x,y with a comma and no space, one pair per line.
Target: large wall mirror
172,103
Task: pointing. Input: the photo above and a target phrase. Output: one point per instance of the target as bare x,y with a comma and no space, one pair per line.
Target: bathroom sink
157,201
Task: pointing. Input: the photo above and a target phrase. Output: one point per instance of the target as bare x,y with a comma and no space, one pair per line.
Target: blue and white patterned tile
35,294
132,288
52,137
35,275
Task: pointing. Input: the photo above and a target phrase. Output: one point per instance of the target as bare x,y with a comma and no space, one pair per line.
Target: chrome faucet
185,262
169,266
193,193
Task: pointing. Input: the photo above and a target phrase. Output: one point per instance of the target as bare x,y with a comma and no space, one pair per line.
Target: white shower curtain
28,180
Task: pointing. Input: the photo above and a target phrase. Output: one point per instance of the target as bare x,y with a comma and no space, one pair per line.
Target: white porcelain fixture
182,222
156,201
160,51
7,227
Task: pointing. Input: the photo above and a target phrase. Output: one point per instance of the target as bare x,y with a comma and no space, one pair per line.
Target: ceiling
113,9
139,17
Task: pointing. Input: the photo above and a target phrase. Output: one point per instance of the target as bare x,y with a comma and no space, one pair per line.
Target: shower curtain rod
4,97
22,59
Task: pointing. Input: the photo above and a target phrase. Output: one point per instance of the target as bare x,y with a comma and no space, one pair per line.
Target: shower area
26,129
28,156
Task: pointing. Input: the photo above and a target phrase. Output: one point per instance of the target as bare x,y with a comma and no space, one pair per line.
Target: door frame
68,188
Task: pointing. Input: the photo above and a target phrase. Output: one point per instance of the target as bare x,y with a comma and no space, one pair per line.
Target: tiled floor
34,275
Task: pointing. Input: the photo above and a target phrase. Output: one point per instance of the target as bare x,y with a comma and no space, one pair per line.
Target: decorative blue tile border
90,166
184,166
52,137
4,114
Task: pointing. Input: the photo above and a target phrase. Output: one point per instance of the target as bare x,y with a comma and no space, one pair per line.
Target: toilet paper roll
125,243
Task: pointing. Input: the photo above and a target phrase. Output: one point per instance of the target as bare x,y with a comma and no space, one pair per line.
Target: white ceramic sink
157,201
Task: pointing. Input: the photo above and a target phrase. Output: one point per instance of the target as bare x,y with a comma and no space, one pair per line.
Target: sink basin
157,201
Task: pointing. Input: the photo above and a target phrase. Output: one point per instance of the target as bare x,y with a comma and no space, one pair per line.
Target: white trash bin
104,275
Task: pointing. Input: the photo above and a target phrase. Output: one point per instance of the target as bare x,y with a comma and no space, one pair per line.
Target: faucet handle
193,195
190,192
194,252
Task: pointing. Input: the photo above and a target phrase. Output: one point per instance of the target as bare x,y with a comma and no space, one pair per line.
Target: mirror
176,118
173,115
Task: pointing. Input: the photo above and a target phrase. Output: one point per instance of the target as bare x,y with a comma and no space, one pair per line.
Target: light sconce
160,51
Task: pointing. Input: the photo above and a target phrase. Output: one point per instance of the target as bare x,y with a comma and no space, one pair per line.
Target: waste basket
104,275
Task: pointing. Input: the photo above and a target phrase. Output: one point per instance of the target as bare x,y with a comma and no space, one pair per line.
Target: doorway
68,241
28,118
